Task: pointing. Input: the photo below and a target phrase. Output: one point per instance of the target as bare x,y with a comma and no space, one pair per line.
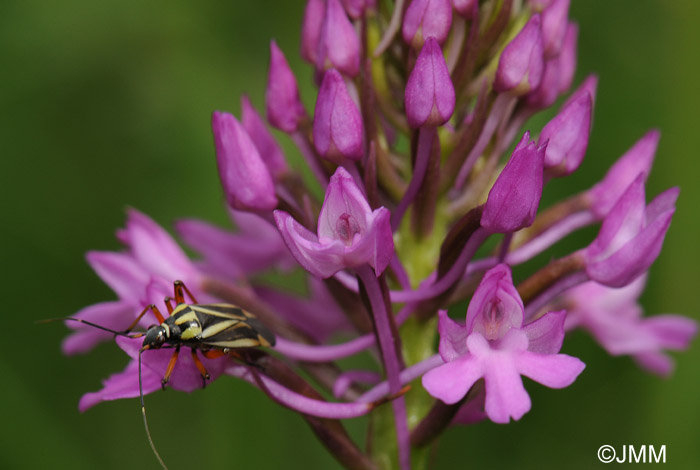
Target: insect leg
180,296
200,367
168,304
155,311
171,365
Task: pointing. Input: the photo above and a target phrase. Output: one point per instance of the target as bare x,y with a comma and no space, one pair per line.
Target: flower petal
551,370
450,382
546,334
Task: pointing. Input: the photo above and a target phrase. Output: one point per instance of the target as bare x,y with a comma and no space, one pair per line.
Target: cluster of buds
417,108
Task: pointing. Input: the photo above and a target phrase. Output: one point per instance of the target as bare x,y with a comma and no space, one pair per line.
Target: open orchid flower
614,318
494,345
349,234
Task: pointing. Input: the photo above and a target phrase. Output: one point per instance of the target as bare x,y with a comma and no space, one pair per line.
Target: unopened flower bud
554,22
521,64
284,107
245,178
339,46
311,30
430,95
427,18
338,129
267,146
568,135
515,196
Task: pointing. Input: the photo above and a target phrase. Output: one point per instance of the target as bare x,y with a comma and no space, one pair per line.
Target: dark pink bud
427,18
515,196
568,135
430,96
636,160
558,73
465,8
554,22
339,46
521,64
338,128
245,178
311,30
284,108
267,146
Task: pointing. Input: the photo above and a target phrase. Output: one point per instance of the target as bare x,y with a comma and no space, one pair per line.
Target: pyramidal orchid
409,179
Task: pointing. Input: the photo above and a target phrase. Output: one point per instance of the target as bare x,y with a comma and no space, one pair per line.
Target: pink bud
515,196
554,22
521,64
245,178
338,129
311,30
430,96
284,108
568,135
426,18
465,8
339,46
267,146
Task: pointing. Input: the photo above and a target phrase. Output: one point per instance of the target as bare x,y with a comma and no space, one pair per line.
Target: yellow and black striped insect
214,330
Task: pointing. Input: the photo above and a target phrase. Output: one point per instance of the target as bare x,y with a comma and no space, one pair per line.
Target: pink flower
614,318
496,346
349,234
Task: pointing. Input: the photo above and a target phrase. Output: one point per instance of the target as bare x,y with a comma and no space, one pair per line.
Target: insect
213,330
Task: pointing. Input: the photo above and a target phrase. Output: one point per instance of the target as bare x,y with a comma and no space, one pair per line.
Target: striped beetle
213,329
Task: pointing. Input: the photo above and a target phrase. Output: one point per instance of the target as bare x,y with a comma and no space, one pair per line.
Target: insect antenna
143,413
94,325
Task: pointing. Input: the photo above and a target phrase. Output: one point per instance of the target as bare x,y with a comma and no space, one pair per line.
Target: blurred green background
106,104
